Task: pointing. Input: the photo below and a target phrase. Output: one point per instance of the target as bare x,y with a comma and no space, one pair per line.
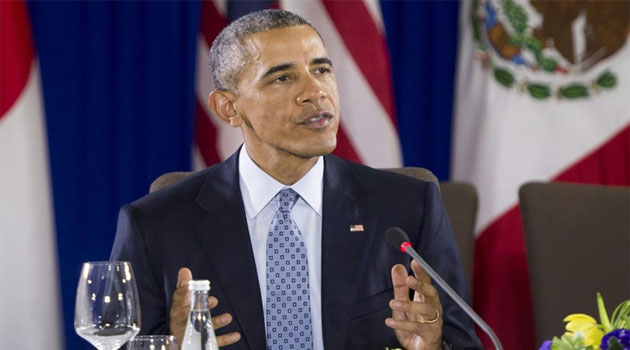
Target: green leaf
603,315
476,29
533,44
516,15
569,342
560,344
504,77
474,19
621,316
574,91
548,64
515,39
539,91
607,80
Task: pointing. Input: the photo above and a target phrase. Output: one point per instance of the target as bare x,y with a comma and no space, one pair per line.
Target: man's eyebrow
322,60
278,68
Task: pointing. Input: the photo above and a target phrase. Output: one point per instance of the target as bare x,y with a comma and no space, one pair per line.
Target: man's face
287,94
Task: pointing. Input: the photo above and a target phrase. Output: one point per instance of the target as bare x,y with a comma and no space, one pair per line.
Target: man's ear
222,104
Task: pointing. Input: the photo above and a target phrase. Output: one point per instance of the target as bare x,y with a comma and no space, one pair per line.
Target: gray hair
228,53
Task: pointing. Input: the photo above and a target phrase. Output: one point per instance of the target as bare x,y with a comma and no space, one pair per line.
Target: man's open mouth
318,120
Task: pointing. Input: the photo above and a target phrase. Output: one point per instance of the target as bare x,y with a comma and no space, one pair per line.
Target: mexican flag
542,94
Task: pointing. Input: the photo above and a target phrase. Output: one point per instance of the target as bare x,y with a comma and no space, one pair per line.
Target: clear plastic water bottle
199,333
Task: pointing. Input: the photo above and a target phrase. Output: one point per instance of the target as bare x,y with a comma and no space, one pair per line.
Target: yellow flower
579,322
586,327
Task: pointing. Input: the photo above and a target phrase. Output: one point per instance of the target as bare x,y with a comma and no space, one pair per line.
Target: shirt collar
259,188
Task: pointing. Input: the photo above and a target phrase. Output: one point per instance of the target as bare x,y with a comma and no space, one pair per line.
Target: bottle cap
199,285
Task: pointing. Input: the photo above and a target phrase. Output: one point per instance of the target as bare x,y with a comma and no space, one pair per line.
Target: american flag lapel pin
356,228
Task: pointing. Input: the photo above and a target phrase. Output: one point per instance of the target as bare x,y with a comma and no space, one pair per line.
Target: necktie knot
285,199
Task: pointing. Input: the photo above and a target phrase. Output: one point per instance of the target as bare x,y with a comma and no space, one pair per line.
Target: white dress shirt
258,190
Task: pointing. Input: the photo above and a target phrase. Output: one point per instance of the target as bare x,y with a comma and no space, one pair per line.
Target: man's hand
181,308
417,323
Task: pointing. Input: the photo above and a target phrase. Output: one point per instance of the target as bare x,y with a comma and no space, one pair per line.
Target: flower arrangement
584,333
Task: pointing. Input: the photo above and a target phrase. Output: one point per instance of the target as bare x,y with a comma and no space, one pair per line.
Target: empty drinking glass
107,309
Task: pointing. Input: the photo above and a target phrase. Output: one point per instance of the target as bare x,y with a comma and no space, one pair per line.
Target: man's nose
312,91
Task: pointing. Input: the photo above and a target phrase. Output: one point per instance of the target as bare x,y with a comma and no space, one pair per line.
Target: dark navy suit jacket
200,223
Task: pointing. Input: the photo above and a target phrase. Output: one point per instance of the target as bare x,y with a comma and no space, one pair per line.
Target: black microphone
398,239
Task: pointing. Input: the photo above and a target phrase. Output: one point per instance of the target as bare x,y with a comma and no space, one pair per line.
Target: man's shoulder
187,188
374,178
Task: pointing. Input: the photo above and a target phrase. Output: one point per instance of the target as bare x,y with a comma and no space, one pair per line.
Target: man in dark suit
275,82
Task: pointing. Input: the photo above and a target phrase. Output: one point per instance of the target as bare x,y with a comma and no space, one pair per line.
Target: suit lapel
225,240
344,253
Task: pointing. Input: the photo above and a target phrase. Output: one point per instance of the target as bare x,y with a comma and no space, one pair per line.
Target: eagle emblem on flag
551,48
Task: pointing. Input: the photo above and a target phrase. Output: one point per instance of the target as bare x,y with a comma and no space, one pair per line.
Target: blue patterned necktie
288,296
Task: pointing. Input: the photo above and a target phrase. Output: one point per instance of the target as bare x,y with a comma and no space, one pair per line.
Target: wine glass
153,342
107,309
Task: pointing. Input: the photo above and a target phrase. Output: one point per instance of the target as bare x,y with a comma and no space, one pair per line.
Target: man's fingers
421,283
419,272
429,334
401,290
411,326
399,280
180,307
402,325
181,290
221,320
425,304
184,274
425,289
212,302
227,339
426,310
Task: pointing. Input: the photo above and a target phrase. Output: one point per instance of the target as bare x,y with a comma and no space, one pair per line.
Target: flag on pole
354,37
29,297
542,94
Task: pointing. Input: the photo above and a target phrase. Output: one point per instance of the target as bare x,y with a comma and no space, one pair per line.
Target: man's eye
323,70
282,78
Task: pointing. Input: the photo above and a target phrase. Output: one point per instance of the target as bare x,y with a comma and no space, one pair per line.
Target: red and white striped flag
542,95
29,297
353,33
